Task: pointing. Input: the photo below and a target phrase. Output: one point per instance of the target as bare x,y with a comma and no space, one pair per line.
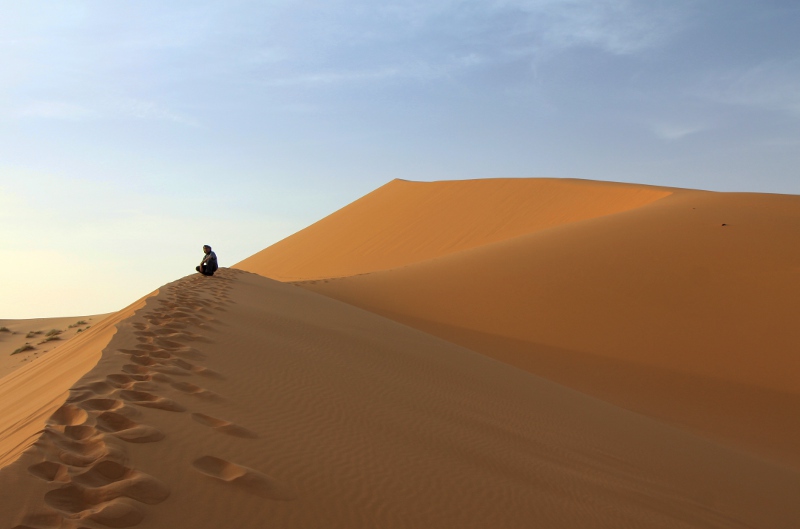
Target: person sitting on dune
209,263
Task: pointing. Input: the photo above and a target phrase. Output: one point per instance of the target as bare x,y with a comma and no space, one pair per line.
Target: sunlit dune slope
32,392
407,222
43,335
237,401
684,309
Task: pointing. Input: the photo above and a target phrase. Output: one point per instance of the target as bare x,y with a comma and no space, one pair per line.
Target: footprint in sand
226,427
107,494
74,452
68,415
171,370
49,471
98,388
126,381
101,404
124,428
149,400
82,432
167,344
243,478
133,369
188,352
196,391
143,360
113,480
208,373
176,366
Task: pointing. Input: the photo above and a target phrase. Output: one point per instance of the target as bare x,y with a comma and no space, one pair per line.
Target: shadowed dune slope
684,309
407,222
237,401
676,303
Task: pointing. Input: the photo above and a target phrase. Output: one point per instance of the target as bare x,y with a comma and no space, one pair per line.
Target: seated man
209,263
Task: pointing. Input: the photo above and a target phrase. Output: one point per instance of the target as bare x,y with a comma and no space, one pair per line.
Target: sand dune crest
682,308
444,436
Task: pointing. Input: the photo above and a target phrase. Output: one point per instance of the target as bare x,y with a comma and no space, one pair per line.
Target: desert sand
680,304
16,334
515,366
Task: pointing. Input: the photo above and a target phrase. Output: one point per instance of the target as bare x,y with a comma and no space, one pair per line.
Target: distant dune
33,391
409,222
678,304
42,335
657,390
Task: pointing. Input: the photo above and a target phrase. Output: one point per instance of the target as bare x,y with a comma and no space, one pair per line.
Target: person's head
206,248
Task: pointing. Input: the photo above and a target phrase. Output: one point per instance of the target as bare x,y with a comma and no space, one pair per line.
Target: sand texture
476,354
239,401
678,304
43,335
408,222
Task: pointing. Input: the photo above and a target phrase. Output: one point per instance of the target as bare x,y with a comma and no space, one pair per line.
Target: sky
132,133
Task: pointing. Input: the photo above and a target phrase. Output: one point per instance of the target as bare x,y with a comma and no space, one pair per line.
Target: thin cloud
417,70
60,110
123,108
424,40
621,27
614,26
333,77
676,131
772,85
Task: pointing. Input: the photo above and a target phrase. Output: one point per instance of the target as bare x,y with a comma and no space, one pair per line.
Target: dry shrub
26,347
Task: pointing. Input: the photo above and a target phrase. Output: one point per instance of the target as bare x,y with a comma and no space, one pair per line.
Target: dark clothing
210,259
208,265
205,270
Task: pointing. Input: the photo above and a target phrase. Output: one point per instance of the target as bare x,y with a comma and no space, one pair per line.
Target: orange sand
21,332
31,393
237,401
655,306
240,401
409,222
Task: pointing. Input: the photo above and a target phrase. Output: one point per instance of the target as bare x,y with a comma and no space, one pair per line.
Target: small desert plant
81,322
53,332
26,347
5,329
50,339
30,334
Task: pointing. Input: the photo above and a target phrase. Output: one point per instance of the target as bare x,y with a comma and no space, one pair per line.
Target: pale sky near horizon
132,133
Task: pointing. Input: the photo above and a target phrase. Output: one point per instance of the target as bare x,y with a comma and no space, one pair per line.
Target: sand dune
34,332
240,401
31,393
408,222
682,308
237,401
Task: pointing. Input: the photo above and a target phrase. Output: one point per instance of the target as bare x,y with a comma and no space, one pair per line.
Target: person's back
209,263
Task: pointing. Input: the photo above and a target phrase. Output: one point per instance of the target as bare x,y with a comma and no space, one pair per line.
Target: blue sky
131,133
